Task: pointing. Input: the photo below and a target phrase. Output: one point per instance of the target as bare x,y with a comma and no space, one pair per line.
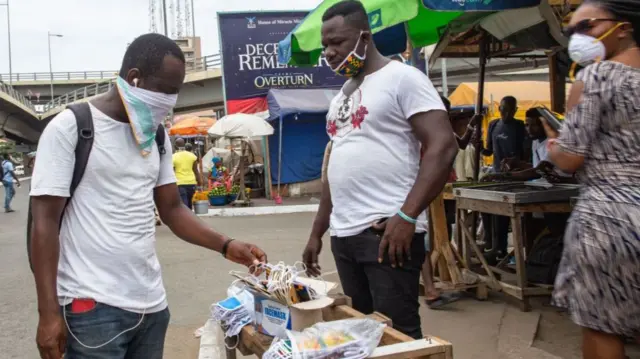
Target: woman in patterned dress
599,276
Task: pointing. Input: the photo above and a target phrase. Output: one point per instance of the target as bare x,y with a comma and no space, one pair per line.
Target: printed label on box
272,317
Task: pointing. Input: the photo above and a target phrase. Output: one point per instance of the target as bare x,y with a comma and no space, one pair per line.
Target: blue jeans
186,193
9,193
103,323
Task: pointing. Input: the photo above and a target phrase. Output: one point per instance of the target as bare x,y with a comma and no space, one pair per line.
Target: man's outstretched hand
246,254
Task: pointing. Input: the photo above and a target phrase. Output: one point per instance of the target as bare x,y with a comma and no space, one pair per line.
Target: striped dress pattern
599,276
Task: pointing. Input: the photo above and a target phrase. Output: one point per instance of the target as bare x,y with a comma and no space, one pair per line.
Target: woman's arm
568,149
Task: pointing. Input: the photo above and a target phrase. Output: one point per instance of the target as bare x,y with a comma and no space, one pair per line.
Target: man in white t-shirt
100,276
377,187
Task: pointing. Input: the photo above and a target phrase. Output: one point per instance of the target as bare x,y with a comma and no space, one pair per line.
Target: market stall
277,312
393,344
495,36
516,201
241,129
296,149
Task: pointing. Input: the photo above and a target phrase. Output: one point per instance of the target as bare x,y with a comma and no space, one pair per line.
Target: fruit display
235,189
218,191
200,196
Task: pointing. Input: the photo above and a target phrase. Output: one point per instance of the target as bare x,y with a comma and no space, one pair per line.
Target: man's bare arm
45,250
321,222
434,131
196,171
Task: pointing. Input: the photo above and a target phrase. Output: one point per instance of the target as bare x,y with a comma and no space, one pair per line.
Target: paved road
195,278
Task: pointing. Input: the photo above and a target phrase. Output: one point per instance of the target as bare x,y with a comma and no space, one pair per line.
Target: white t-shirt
540,154
464,164
375,157
107,238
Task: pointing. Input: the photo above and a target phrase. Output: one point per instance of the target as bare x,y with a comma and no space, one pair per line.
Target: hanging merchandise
232,315
282,282
347,339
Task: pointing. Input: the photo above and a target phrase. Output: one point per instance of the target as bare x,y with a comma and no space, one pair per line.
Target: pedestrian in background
185,165
8,175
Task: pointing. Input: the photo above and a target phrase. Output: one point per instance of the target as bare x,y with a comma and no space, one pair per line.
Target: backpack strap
84,122
160,137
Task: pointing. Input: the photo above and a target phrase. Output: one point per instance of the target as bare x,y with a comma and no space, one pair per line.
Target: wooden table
393,345
522,290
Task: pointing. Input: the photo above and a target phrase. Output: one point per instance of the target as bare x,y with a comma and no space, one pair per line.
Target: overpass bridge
36,86
23,119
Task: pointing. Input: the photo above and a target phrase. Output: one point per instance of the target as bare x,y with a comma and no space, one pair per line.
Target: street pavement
195,278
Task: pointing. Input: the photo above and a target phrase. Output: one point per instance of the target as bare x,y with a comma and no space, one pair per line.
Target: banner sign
250,56
478,5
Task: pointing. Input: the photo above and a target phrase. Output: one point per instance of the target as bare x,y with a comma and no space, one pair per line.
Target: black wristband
225,246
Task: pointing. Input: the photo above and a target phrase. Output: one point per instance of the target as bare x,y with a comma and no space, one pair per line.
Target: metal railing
9,90
197,65
204,63
58,76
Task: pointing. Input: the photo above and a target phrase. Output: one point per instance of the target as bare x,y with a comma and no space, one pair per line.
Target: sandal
442,300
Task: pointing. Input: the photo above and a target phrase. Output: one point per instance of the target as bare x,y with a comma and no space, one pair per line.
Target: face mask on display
585,50
353,63
146,111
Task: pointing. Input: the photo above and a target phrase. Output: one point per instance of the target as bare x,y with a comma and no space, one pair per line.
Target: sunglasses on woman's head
582,26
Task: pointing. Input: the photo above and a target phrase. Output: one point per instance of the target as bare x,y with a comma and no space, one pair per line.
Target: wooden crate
393,345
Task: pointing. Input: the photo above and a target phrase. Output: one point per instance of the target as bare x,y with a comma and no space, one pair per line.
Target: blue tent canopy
299,121
287,102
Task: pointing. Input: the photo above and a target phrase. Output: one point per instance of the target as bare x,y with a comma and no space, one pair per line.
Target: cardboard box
274,318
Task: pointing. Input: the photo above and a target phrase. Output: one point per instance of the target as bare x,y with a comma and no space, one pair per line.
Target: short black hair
353,12
510,99
5,156
447,103
532,113
147,52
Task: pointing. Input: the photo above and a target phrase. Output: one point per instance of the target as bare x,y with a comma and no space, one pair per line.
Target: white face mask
146,111
585,49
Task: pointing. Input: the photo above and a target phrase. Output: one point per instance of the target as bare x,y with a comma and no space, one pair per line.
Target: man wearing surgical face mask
98,280
377,186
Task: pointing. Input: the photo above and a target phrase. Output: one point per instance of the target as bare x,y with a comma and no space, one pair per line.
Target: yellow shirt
183,166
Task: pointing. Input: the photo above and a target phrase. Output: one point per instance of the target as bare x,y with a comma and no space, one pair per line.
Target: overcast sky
96,32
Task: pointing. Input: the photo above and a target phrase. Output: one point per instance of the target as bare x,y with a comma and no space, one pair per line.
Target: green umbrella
423,22
424,27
